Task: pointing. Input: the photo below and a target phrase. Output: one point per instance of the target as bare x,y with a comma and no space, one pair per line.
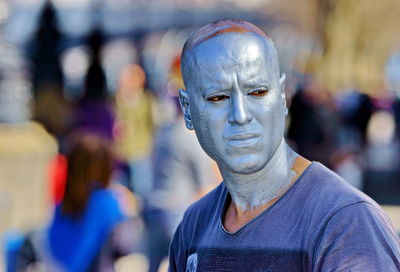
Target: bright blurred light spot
15,98
22,22
381,128
248,4
10,57
120,4
71,3
28,2
115,56
132,262
15,89
75,62
393,73
4,11
173,85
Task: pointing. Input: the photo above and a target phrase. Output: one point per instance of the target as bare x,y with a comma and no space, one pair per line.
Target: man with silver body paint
274,210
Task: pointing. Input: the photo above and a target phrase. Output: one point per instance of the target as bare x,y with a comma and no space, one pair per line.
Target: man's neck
252,194
251,191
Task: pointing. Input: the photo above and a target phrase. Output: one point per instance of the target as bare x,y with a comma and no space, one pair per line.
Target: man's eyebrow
213,89
256,85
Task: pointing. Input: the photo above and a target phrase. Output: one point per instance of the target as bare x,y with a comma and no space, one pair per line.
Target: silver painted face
234,100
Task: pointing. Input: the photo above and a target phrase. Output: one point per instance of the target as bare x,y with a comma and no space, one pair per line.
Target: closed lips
244,136
243,140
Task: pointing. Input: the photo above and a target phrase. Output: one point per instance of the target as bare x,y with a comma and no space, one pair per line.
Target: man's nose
239,113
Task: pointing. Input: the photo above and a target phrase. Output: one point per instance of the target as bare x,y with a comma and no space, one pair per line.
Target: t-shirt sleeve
176,252
358,237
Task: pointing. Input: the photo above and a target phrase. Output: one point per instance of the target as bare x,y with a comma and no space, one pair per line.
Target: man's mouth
243,140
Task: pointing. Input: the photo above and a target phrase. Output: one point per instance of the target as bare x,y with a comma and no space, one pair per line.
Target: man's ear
282,84
184,102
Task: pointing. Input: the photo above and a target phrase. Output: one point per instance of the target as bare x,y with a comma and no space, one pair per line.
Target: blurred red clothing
57,178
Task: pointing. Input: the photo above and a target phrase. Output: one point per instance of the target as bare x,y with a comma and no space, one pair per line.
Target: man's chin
246,167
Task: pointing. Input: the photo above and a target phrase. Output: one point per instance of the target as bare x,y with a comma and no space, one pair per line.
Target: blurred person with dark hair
313,122
26,147
382,159
354,111
47,75
90,227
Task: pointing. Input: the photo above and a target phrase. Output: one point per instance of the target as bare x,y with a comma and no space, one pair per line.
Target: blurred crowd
111,167
122,168
354,134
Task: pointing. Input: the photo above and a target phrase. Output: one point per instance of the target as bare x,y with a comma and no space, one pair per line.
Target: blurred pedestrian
90,227
135,127
94,111
182,174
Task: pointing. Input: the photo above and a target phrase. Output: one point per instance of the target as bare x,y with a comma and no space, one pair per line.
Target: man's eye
259,92
217,98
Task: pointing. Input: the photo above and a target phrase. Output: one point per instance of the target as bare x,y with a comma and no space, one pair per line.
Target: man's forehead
223,52
228,47
214,63
230,50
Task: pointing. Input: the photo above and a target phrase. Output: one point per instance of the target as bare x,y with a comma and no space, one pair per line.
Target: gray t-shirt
320,224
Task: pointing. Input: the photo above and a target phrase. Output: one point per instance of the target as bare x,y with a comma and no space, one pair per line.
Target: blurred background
110,69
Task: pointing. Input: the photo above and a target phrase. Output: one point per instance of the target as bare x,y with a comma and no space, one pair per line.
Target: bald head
220,27
221,30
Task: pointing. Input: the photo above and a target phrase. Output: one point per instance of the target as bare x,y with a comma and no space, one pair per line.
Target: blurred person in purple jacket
94,111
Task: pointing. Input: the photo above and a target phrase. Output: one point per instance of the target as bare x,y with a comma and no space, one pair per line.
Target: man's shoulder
328,191
343,198
339,215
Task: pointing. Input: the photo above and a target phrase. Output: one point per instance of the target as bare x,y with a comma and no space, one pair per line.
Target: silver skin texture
235,102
